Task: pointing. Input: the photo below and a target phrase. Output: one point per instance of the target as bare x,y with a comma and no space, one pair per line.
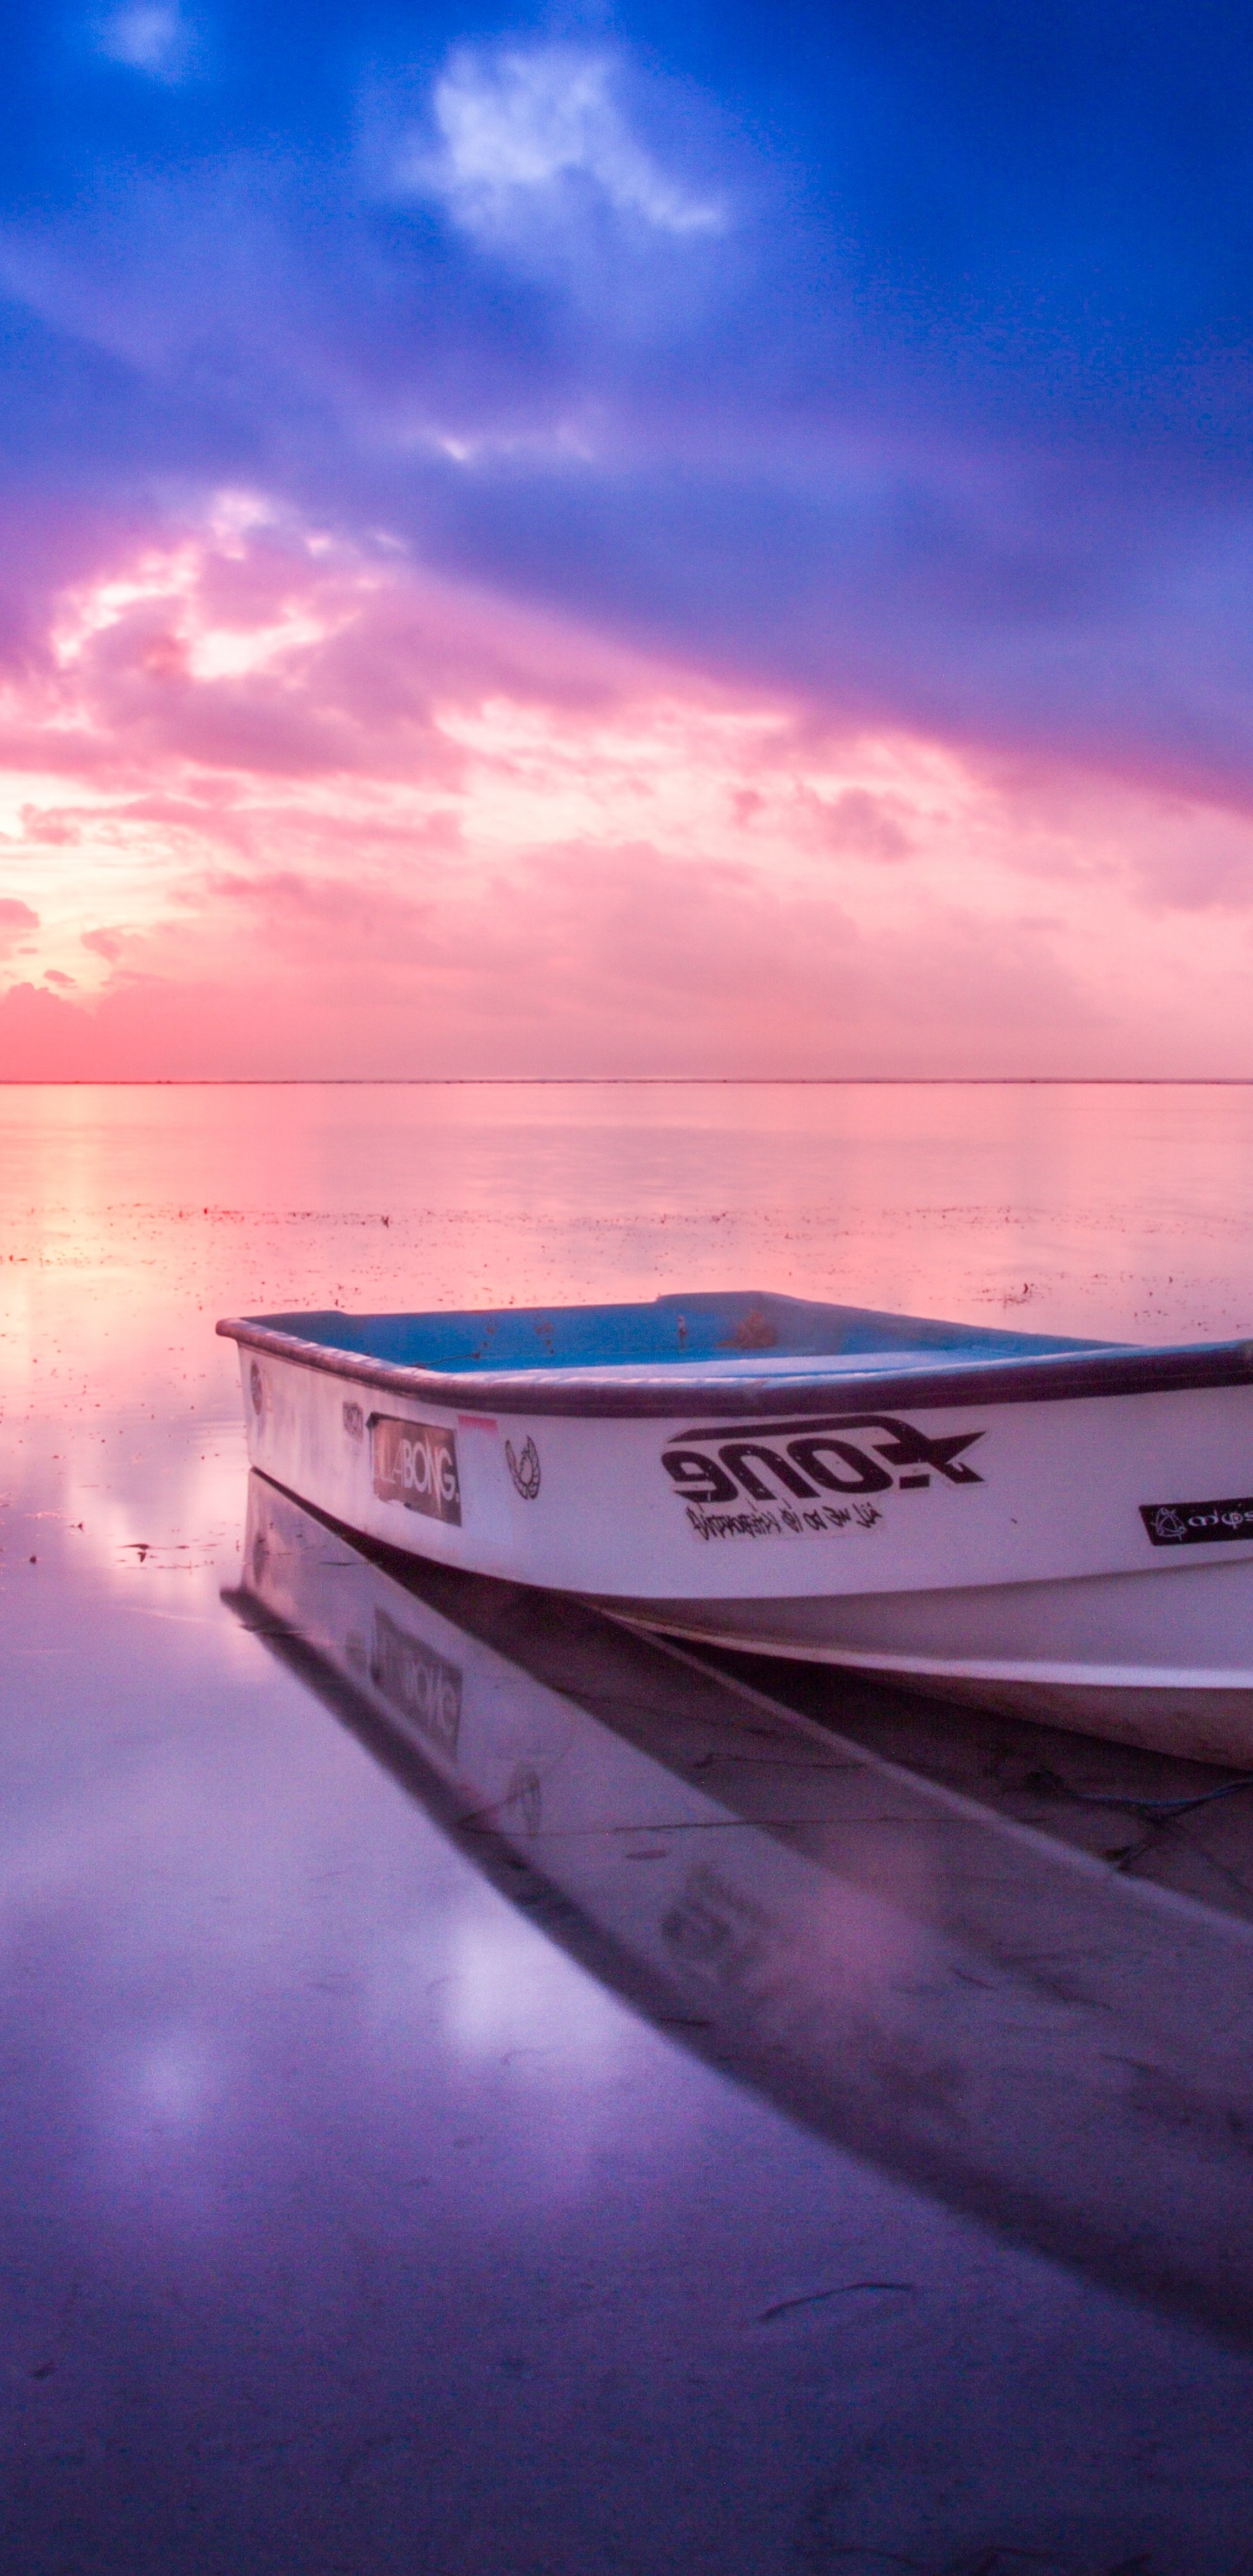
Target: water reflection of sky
350,2217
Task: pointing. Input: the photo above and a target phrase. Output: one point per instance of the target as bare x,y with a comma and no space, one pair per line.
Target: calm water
735,2138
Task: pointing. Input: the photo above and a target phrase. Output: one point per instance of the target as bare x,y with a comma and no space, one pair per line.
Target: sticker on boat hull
525,1470
787,1479
415,1463
1198,1524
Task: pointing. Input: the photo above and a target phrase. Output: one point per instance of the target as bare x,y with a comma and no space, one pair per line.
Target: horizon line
624,1081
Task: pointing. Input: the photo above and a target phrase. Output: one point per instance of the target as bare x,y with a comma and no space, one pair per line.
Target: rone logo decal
415,1463
788,1472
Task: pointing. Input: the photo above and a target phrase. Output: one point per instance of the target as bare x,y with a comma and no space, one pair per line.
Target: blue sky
894,358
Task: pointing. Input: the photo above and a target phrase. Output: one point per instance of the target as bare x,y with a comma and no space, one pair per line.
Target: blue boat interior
707,1326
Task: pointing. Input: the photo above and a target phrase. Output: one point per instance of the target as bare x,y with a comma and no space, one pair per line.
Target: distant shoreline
630,1082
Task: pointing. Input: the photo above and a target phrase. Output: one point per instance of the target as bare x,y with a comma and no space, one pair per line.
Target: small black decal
354,1421
1198,1524
257,1384
415,1463
525,1470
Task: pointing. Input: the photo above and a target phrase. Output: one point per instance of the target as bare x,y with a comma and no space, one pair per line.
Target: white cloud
148,36
532,137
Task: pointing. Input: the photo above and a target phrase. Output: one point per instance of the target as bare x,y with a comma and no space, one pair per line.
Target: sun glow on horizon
257,759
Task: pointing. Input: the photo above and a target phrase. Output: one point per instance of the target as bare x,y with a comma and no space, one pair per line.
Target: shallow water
653,2134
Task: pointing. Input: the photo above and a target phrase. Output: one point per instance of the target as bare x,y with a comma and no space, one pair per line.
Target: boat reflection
996,2018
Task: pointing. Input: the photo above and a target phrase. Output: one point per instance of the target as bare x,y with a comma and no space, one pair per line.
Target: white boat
1056,1529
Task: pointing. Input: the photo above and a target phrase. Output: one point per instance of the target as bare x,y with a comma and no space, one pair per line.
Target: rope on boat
1147,1807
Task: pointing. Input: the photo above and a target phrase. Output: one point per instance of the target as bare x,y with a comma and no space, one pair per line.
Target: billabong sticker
415,1463
1198,1524
807,1475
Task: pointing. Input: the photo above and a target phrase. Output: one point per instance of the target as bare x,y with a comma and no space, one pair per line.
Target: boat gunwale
1047,1378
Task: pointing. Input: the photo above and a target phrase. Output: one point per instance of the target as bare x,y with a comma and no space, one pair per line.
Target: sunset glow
272,801
561,689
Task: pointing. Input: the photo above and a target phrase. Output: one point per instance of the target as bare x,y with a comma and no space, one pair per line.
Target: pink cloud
856,820
304,810
109,944
17,921
43,1039
47,824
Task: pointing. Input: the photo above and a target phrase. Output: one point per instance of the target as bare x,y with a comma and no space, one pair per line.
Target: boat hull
1049,1558
1159,1659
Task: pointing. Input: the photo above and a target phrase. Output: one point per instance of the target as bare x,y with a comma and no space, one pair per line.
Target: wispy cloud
149,36
540,137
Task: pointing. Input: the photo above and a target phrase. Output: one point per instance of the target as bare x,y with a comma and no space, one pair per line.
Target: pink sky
276,805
